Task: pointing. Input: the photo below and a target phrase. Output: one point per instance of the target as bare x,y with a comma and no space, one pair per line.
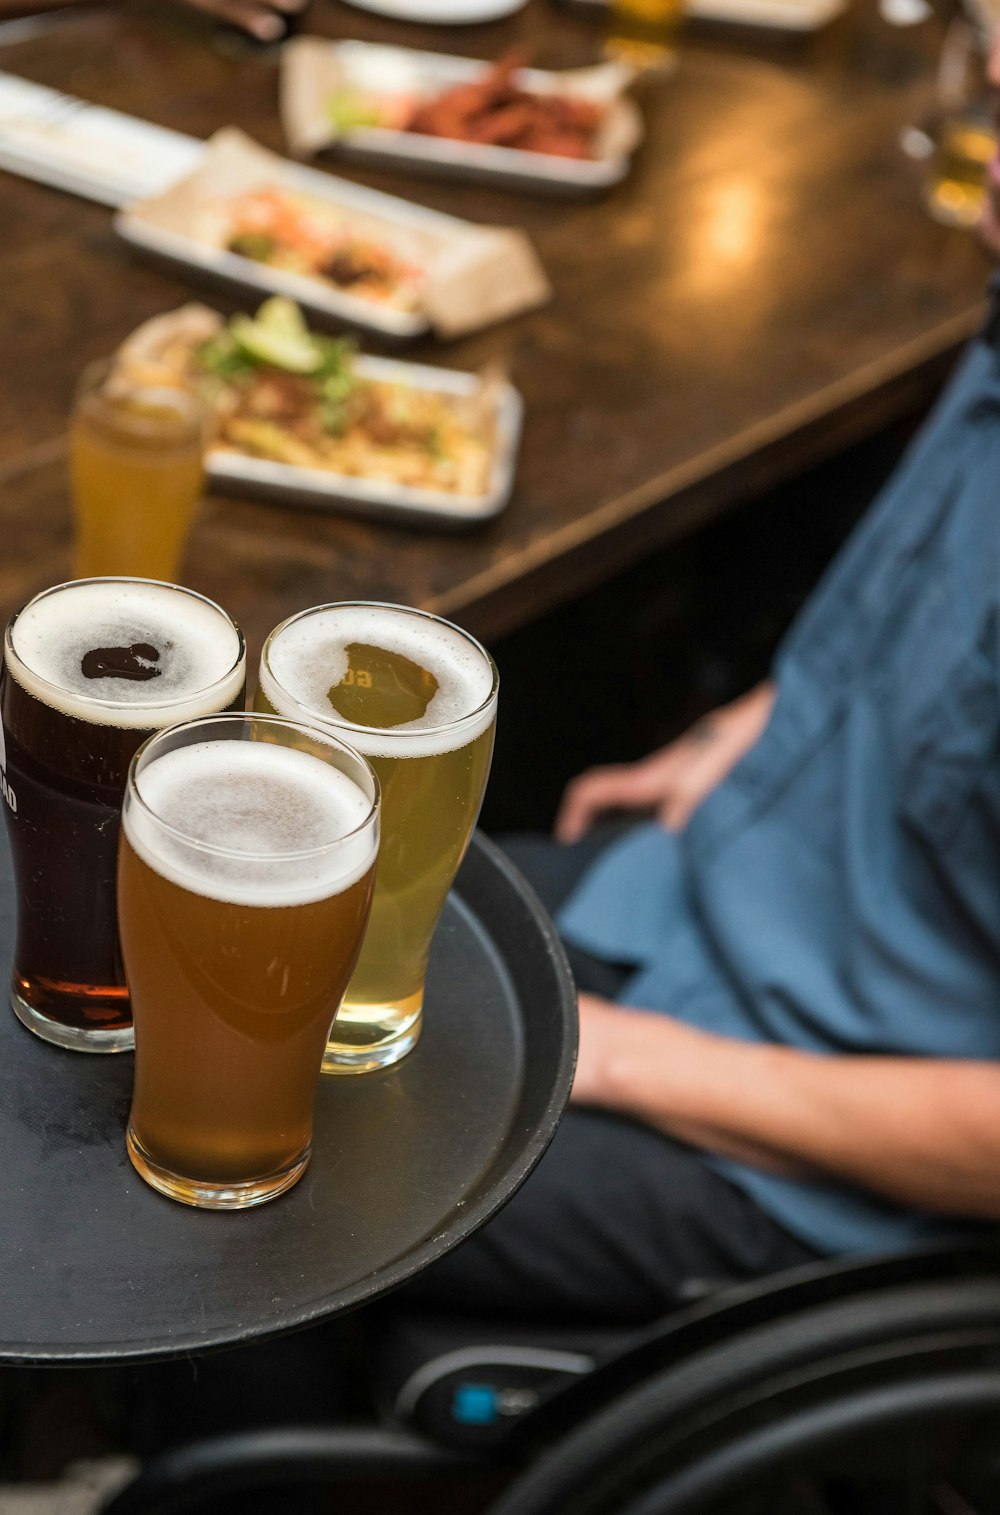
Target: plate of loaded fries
567,132
304,418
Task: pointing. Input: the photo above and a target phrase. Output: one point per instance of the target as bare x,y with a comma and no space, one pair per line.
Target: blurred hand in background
264,19
672,782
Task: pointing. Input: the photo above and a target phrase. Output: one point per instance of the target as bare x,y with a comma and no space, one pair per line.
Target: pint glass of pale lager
418,697
245,876
90,669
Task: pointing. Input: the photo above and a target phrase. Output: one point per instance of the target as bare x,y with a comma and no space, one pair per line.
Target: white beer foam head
197,642
309,655
236,810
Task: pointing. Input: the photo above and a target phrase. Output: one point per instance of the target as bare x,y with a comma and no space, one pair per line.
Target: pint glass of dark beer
417,696
90,669
245,877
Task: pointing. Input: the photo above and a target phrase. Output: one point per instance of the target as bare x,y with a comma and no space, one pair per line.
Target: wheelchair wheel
884,1405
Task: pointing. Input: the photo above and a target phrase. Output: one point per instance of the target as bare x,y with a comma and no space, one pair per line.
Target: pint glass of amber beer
90,669
245,876
418,697
136,463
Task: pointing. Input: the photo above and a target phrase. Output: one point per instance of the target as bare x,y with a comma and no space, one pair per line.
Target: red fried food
512,125
560,144
495,111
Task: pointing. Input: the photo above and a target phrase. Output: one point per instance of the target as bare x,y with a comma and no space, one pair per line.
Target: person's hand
673,781
651,1066
264,19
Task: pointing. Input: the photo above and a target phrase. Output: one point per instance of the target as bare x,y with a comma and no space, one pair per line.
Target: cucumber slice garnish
278,335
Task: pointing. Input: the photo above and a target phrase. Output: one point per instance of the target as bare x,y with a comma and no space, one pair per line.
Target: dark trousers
618,1223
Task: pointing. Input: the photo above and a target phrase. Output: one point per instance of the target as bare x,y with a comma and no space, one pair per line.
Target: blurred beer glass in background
90,669
245,877
418,697
644,32
137,464
962,132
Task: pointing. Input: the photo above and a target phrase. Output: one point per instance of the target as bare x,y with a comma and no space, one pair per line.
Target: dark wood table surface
761,290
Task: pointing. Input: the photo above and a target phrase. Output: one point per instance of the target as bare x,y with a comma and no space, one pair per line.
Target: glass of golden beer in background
644,32
136,457
90,669
963,131
245,876
418,697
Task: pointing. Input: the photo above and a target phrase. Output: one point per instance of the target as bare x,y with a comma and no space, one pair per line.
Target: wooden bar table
762,290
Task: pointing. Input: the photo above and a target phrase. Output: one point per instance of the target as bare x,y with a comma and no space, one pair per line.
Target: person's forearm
923,1132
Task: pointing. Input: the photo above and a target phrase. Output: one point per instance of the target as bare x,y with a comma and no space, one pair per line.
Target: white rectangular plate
320,489
85,149
440,155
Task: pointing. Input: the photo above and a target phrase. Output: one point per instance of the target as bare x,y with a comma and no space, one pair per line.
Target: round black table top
96,1266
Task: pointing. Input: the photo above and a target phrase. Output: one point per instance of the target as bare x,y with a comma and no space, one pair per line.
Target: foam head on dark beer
127,653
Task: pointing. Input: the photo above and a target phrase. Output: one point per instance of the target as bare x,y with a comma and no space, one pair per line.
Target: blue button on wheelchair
474,1404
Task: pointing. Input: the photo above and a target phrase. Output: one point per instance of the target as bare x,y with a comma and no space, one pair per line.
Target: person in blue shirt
790,975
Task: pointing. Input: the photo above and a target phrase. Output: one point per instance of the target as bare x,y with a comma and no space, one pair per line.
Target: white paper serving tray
473,275
320,489
312,69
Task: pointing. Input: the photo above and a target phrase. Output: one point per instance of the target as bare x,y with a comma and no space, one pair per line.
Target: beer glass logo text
5,788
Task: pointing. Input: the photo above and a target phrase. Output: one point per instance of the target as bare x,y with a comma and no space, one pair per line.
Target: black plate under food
95,1266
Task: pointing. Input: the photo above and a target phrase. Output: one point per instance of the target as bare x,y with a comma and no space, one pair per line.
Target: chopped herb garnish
254,245
220,355
347,110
